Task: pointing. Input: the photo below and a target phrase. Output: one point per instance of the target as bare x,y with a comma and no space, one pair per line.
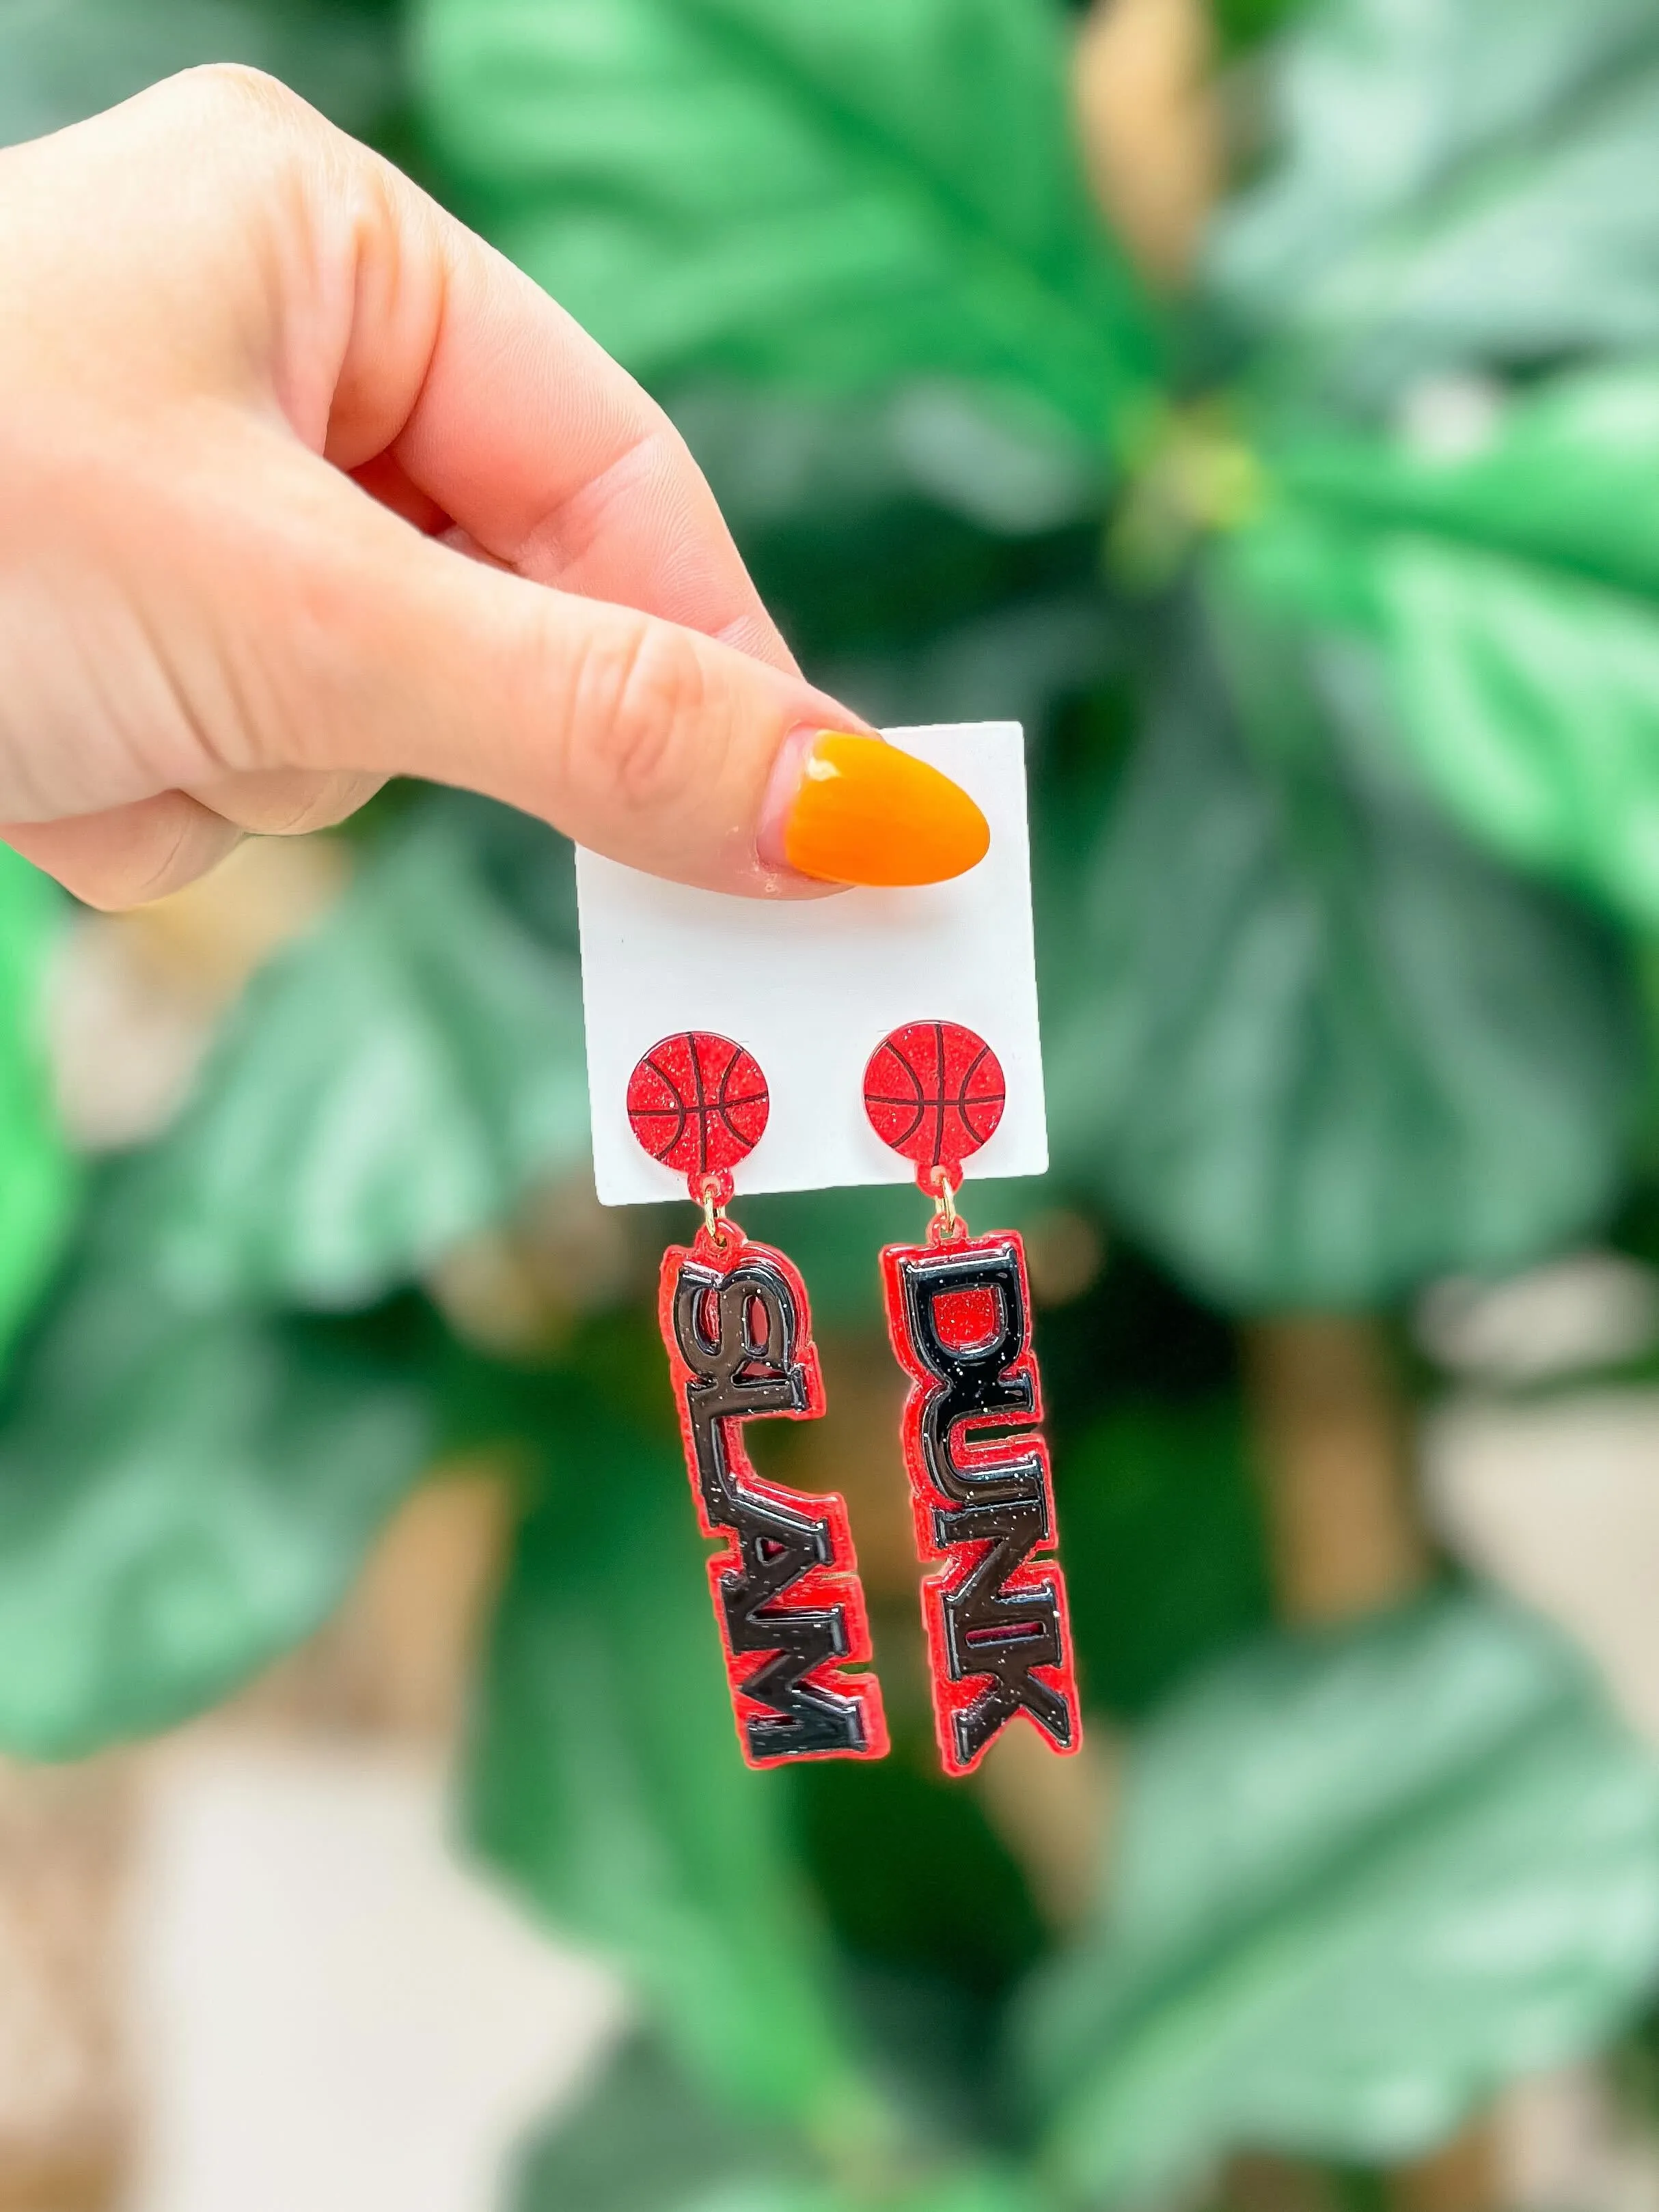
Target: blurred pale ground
244,1972
330,2012
284,1988
1557,1500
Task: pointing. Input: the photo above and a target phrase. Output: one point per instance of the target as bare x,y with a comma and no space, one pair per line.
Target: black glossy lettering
738,1333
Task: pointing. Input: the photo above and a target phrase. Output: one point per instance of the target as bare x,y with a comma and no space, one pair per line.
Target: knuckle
644,691
263,134
236,93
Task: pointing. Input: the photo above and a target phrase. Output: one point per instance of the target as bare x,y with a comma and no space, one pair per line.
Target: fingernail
864,812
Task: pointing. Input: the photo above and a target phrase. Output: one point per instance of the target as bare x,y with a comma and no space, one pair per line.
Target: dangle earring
738,1332
959,1314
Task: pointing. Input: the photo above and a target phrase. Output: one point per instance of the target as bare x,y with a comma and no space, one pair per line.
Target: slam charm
959,1314
735,1321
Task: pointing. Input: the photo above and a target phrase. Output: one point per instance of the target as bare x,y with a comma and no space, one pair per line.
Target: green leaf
925,567
184,1495
1243,24
61,60
605,1780
1015,663
1532,705
1361,1880
644,2139
1564,474
901,1914
1511,591
779,456
388,1085
1461,181
1318,1049
834,200
38,1182
1160,1501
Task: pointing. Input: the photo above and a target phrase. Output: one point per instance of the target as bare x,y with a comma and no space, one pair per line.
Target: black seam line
685,1113
702,1123
961,1103
677,1107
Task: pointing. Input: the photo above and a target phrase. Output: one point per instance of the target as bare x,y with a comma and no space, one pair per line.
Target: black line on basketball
702,1108
677,1108
918,1103
726,1104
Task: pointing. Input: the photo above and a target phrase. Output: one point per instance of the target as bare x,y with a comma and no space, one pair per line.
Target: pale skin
305,486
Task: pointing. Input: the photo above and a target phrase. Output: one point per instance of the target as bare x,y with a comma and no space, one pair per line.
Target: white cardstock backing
811,987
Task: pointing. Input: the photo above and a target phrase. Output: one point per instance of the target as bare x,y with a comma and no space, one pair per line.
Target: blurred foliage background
1262,405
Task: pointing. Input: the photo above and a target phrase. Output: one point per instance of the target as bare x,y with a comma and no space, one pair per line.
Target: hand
290,462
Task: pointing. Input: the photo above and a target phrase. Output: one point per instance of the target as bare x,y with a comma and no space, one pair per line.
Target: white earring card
810,986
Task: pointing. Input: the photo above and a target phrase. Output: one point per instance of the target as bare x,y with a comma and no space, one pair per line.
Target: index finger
499,407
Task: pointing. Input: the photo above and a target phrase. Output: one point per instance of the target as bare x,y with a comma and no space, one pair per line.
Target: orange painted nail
867,813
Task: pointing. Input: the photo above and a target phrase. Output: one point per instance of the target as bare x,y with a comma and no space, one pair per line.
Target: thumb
650,743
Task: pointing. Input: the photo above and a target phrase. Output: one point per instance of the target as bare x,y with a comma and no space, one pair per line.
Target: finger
385,478
287,802
462,377
639,738
396,342
128,855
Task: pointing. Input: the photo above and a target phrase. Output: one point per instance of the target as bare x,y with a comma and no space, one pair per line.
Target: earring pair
736,1325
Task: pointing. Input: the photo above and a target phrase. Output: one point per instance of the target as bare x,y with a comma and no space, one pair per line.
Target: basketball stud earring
959,1314
734,1318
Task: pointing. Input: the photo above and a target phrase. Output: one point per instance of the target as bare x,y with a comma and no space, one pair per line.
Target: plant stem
1333,1448
1151,127
1333,1441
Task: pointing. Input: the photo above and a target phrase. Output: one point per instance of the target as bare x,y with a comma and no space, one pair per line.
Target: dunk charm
959,1314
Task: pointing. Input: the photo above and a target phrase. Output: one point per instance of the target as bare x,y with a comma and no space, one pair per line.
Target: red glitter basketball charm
698,1103
934,1092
